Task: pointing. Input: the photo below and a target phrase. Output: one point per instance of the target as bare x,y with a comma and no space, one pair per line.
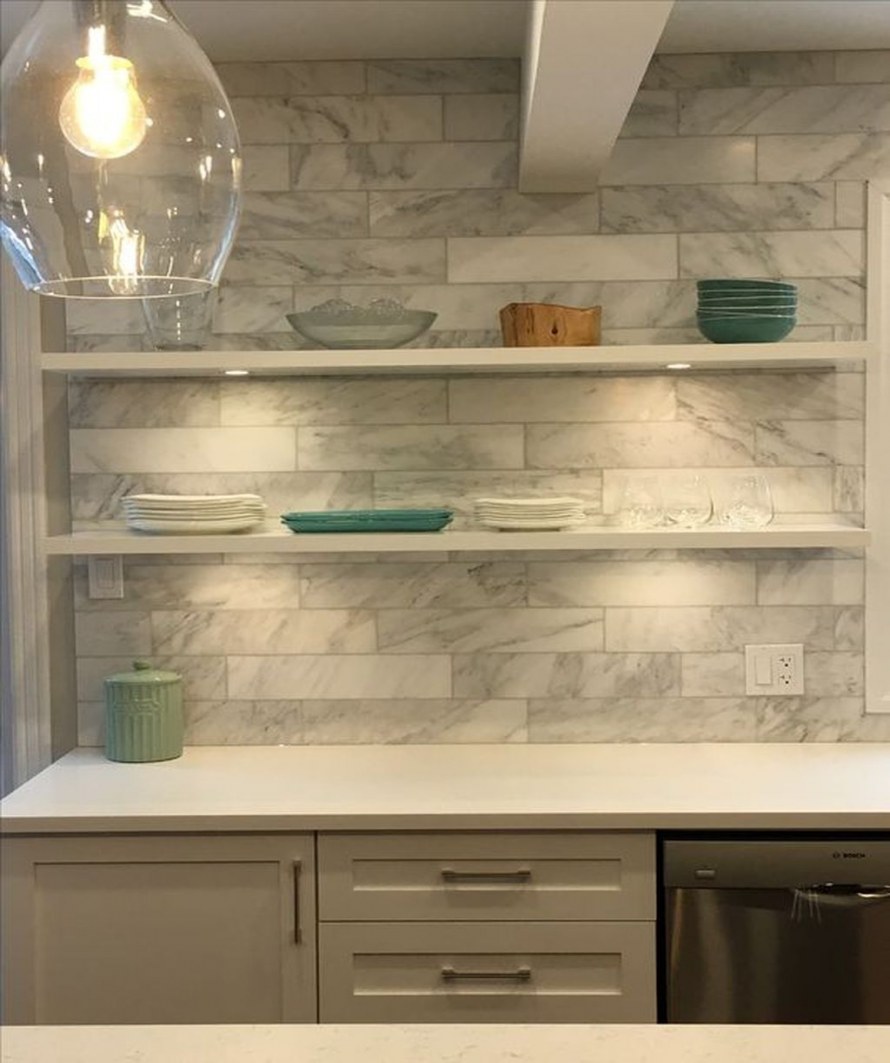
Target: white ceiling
324,29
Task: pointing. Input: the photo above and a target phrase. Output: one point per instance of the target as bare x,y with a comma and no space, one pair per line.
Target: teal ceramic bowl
706,299
754,311
746,329
755,285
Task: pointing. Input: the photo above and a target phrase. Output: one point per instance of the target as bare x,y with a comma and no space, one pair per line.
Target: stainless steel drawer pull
298,930
522,874
521,974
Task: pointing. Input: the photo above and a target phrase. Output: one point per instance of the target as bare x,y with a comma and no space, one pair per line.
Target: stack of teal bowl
746,311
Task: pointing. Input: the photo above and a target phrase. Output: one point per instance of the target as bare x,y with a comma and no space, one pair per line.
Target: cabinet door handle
520,875
298,932
521,974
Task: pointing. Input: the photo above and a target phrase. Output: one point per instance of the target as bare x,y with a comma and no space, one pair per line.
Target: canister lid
144,673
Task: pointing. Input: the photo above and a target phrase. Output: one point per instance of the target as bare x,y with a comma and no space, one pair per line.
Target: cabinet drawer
572,875
487,972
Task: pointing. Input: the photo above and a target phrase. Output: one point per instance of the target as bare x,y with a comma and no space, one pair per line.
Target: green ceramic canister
143,714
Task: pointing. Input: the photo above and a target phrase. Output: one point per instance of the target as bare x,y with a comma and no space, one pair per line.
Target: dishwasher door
777,931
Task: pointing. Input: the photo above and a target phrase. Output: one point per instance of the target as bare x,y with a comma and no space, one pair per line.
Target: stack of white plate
193,514
530,514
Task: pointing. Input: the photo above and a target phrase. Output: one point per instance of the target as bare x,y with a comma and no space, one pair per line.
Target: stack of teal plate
369,520
746,311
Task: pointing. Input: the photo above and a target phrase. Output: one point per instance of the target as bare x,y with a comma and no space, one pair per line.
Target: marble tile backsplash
398,179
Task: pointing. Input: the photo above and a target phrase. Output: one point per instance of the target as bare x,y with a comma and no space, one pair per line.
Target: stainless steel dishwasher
777,931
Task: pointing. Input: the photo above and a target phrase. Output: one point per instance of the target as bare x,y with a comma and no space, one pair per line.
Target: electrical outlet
105,576
774,670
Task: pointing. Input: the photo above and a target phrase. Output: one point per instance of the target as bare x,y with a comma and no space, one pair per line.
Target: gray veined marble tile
680,161
850,209
810,443
744,68
90,723
443,75
823,157
338,119
605,583
862,66
835,719
655,445
247,309
831,300
196,587
798,109
293,215
555,399
653,113
849,489
849,628
320,78
489,630
481,212
265,168
133,450
710,208
97,496
242,723
142,403
482,117
118,316
830,253
111,634
548,258
834,675
750,396
717,628
463,584
459,489
566,675
810,582
203,678
387,722
337,262
394,166
705,675
340,676
268,631
333,401
411,447
641,719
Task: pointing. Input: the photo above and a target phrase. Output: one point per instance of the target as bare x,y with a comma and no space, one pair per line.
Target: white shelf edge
782,536
462,359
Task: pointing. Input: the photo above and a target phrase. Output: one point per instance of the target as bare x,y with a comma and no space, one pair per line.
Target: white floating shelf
780,536
443,360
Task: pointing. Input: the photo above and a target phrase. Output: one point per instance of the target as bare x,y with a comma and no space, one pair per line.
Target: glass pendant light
120,165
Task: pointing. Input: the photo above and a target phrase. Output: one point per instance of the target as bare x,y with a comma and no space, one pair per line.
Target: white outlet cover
775,670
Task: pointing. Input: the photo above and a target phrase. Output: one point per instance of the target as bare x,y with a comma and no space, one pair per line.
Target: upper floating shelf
118,540
445,360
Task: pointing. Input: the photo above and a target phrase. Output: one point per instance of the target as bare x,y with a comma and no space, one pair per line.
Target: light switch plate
776,670
105,576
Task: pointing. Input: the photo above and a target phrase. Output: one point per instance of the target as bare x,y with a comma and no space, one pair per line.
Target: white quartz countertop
446,1044
646,787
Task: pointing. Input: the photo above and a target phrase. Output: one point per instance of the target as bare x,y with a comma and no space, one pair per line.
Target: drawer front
487,972
567,876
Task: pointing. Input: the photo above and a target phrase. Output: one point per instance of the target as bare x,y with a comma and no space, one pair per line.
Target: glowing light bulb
102,114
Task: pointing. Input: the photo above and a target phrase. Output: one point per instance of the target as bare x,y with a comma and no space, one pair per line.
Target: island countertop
811,786
446,1044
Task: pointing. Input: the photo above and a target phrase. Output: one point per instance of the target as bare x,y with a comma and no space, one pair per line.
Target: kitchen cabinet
159,929
462,927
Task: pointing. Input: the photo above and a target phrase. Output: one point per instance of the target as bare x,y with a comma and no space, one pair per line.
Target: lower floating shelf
118,540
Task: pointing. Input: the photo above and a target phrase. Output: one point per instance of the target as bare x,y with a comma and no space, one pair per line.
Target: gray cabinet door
159,929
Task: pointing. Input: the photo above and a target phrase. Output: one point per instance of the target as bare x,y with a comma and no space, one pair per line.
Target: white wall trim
24,646
877,453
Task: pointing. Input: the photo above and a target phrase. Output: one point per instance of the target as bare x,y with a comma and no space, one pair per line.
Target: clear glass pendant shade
120,165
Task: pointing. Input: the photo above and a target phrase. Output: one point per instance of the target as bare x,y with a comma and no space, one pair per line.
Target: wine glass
748,502
688,502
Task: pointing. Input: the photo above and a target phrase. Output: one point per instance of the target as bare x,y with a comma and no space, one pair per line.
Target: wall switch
774,669
105,576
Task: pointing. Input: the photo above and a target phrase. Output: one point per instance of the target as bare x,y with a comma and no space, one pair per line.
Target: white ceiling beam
584,62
